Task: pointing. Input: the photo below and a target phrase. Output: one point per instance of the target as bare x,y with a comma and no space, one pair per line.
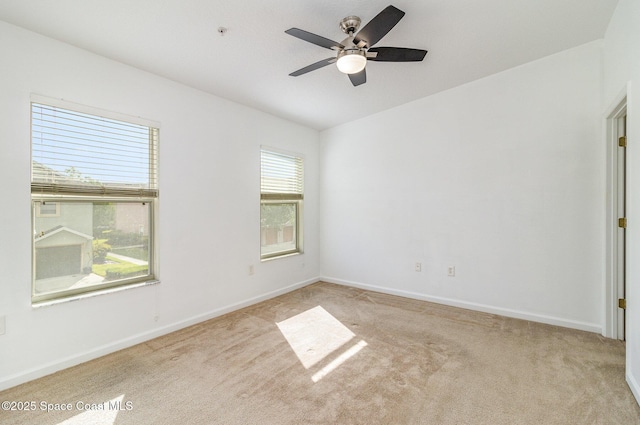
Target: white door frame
614,279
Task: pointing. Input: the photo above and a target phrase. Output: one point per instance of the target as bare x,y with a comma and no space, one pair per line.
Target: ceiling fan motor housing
350,24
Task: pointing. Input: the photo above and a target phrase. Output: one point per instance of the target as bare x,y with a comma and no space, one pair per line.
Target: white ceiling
178,39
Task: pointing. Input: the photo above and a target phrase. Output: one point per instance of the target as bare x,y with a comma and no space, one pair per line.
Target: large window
94,190
281,195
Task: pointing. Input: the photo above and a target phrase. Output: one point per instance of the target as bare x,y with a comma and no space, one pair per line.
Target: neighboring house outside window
281,197
94,190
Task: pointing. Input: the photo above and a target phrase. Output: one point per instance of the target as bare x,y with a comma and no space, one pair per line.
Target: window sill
277,257
47,303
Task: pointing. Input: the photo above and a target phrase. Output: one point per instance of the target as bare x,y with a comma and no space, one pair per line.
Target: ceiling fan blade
359,77
396,54
313,67
313,38
378,27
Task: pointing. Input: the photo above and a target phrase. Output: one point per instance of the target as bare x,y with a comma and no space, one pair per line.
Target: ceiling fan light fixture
351,61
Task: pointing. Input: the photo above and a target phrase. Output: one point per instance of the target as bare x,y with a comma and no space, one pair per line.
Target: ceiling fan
355,50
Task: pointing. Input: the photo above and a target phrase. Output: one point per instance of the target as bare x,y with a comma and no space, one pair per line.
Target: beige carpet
327,354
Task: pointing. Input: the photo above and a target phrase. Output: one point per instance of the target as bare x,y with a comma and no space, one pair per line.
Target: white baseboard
49,368
517,314
635,388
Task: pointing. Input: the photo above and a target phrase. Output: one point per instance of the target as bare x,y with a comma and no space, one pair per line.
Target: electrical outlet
251,270
418,267
3,325
451,271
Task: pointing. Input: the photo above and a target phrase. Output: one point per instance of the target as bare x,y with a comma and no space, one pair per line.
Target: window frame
150,197
297,228
295,199
148,278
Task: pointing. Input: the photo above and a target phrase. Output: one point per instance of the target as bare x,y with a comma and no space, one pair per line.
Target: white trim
517,314
84,295
54,366
633,385
610,284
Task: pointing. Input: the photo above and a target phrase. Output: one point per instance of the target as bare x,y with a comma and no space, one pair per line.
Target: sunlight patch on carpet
314,334
338,361
97,413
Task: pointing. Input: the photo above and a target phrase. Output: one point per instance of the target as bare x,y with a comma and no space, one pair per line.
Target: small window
281,196
93,190
47,209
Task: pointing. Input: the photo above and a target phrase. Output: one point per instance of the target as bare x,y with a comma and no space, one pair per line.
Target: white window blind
75,153
281,176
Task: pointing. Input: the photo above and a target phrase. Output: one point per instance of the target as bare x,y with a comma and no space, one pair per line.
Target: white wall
622,74
502,178
209,207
